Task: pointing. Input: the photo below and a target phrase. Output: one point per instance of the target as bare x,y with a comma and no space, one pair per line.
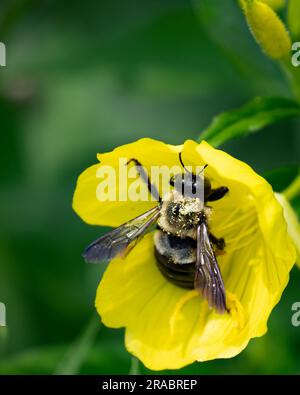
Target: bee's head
190,184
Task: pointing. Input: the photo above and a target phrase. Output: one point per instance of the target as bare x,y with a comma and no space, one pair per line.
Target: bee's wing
116,241
208,278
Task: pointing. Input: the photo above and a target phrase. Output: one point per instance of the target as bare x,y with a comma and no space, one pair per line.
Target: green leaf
250,118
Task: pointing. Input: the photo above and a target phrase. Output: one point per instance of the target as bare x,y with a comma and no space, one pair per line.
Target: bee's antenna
203,168
182,164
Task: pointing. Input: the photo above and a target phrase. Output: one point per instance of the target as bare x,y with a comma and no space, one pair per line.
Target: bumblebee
184,248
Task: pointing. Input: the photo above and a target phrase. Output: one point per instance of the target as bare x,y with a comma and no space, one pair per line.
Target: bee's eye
172,181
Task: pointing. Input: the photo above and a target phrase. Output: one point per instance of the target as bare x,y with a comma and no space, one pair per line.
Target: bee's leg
219,243
144,176
217,194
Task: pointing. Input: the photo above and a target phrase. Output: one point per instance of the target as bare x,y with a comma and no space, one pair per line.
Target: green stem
293,190
135,366
3,335
71,362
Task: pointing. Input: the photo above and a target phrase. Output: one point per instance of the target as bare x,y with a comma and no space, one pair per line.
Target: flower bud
267,28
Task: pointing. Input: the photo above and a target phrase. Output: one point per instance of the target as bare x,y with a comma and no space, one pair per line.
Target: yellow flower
267,28
168,327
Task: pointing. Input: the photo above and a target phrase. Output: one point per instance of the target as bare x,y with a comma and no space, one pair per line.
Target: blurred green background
84,77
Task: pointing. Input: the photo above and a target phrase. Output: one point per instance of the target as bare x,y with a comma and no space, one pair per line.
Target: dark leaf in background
280,178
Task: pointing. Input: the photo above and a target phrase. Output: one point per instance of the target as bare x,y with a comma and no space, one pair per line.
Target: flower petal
292,222
248,192
86,201
168,327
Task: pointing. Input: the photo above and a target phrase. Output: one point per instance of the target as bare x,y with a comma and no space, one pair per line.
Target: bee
184,248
